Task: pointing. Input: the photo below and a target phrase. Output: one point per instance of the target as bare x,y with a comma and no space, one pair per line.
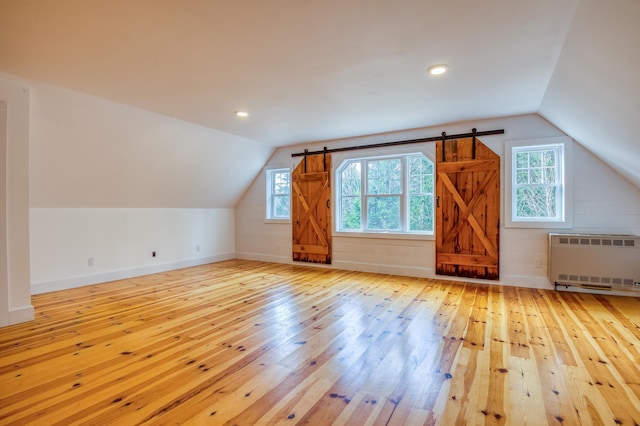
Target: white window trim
428,150
566,221
385,235
268,186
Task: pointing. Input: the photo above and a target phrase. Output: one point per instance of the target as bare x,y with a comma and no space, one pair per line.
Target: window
538,182
278,194
386,194
537,174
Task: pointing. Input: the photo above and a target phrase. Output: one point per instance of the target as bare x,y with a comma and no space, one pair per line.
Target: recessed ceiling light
438,69
242,113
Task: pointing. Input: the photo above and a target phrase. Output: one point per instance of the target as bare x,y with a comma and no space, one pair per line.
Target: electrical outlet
538,262
197,248
90,261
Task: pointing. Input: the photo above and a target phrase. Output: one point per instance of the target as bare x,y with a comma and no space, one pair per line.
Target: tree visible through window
537,185
351,196
278,194
384,189
421,189
386,194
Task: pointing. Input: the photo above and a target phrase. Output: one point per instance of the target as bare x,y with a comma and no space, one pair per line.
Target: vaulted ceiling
309,70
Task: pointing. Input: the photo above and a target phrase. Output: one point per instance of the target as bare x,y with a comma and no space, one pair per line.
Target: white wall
603,202
72,247
115,183
15,303
91,152
594,94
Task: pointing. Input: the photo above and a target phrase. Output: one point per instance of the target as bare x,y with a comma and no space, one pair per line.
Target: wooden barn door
311,209
467,209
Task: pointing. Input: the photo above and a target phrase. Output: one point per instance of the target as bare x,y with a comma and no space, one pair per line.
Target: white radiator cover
595,262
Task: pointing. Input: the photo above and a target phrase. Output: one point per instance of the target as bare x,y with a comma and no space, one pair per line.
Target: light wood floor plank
242,343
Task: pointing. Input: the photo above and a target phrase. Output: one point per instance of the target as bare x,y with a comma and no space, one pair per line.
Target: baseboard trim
381,268
541,283
349,266
419,272
21,314
259,257
80,281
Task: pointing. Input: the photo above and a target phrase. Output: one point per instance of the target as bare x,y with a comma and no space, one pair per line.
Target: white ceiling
310,70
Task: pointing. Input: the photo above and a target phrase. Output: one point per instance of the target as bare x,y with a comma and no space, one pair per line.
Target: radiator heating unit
589,262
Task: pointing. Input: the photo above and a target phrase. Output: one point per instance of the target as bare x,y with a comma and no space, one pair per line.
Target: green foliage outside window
383,213
397,195
421,189
278,194
281,199
536,183
351,196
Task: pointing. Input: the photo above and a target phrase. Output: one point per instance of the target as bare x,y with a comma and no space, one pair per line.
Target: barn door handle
328,204
438,202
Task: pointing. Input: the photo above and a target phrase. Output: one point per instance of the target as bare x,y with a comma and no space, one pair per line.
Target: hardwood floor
245,343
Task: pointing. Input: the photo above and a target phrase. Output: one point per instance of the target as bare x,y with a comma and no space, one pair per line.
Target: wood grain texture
242,342
311,210
468,211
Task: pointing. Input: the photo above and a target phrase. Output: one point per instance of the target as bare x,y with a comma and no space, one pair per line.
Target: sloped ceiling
594,94
310,70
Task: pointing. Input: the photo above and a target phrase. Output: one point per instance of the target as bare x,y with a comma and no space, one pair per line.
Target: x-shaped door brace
308,207
466,209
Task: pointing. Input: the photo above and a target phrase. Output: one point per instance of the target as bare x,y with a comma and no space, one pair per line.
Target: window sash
281,207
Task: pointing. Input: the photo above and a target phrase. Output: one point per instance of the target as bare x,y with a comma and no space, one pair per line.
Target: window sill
538,224
385,235
279,221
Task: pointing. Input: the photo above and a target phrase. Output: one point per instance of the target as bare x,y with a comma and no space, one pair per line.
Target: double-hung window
278,194
539,183
386,194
